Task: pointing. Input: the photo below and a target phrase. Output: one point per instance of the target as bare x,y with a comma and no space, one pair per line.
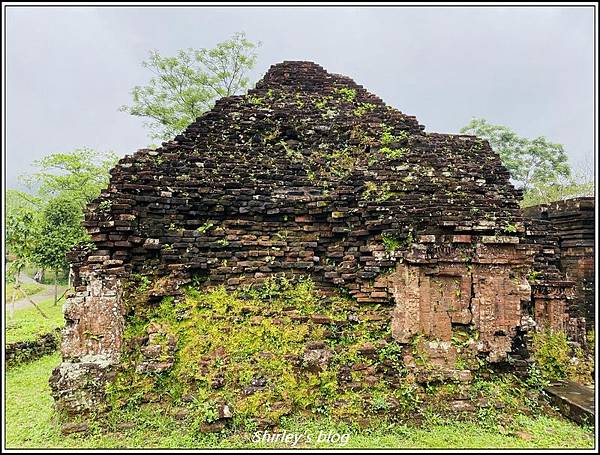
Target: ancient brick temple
307,174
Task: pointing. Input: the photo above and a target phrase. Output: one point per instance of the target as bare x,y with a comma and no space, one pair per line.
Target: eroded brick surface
432,302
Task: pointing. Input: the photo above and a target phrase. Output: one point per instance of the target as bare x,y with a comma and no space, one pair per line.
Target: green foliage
79,175
348,94
536,378
321,103
290,152
557,360
544,193
531,162
209,411
187,84
387,138
205,228
363,108
392,242
533,275
394,153
379,193
254,348
141,283
105,206
46,223
31,423
340,163
552,354
22,232
255,100
60,229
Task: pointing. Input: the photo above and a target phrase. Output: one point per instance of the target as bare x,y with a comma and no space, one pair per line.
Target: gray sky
69,69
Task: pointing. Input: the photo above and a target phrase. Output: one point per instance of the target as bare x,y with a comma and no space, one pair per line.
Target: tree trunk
55,286
12,304
33,303
14,295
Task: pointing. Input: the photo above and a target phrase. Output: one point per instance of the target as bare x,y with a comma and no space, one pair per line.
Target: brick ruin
310,174
563,290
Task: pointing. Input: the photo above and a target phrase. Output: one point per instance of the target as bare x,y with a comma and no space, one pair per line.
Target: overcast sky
69,69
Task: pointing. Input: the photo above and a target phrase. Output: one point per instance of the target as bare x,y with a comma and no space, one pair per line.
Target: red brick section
309,174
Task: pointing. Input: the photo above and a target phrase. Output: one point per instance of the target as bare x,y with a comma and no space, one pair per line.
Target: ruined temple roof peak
305,75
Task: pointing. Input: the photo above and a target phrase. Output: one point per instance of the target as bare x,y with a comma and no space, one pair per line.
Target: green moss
393,153
255,100
388,138
294,155
321,103
340,163
247,348
392,242
363,108
32,423
557,360
272,135
363,137
348,94
378,193
205,228
533,275
255,335
106,205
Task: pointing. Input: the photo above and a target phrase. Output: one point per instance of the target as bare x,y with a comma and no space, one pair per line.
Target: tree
81,175
21,232
531,162
44,223
186,85
59,230
577,185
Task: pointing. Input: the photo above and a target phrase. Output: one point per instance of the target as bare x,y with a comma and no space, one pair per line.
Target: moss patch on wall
250,357
555,358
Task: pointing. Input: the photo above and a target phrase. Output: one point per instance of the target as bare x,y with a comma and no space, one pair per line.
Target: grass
31,423
27,288
28,323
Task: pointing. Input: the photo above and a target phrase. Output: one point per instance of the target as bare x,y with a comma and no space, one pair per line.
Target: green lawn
27,288
30,422
28,323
